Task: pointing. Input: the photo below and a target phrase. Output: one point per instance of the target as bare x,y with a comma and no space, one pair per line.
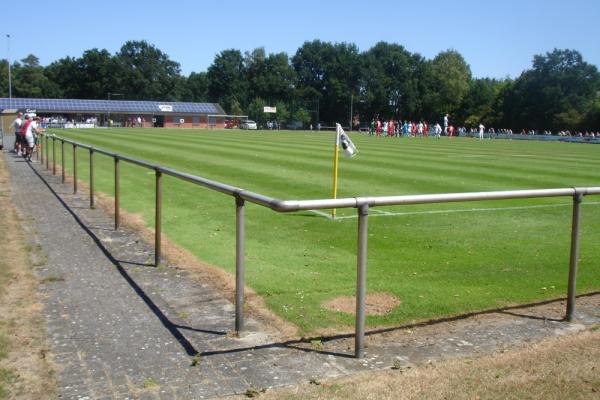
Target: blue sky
496,38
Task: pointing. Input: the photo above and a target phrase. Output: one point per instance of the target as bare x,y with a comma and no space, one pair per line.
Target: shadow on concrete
170,326
301,343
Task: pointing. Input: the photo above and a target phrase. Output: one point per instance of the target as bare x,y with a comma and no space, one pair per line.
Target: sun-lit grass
438,260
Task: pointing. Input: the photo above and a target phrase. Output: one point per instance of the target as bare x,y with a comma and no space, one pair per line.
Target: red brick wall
187,122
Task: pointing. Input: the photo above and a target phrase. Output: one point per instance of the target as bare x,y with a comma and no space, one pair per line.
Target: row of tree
328,82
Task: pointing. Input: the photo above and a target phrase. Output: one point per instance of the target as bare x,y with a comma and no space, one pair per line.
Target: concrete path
120,328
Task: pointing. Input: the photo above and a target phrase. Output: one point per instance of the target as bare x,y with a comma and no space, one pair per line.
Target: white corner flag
343,141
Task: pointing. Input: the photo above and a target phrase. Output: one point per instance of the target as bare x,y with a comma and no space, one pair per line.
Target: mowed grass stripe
198,157
407,162
438,265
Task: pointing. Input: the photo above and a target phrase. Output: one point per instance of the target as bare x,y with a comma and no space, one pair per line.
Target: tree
269,77
236,108
592,118
226,80
329,72
256,111
29,80
4,78
197,84
283,114
302,115
100,74
66,75
389,82
447,78
147,73
478,105
555,94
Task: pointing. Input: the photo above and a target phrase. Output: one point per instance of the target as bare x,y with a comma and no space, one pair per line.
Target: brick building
67,113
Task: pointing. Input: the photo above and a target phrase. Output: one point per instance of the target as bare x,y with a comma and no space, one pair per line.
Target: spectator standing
446,121
25,131
481,130
33,129
17,124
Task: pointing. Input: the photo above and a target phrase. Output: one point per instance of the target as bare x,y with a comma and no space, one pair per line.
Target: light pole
108,112
9,73
351,104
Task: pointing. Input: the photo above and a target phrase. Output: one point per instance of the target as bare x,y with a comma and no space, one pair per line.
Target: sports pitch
438,260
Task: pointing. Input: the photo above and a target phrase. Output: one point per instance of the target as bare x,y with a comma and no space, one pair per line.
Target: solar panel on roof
75,105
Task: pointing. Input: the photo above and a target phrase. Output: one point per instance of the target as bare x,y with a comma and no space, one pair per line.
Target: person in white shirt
481,129
446,124
437,130
17,124
30,135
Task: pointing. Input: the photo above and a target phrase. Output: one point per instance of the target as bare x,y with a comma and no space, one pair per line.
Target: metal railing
362,204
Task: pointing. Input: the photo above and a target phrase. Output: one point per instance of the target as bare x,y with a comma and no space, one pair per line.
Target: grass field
439,260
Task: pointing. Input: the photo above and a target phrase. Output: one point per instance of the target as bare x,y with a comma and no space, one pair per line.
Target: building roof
113,106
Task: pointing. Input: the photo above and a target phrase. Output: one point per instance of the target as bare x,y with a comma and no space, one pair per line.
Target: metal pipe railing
117,192
574,256
362,204
361,279
47,154
157,218
92,204
53,155
62,160
239,262
74,168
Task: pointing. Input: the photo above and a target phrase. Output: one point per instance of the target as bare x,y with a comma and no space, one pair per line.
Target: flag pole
335,167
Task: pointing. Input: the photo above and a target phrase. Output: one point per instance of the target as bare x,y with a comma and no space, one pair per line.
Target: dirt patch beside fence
375,304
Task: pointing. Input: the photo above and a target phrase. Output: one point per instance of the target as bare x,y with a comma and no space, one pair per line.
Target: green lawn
440,260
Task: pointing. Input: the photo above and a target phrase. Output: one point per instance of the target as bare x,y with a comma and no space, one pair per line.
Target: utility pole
351,104
9,73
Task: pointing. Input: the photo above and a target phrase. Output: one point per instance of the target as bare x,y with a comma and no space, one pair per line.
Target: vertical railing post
92,204
53,155
577,199
117,192
38,147
47,154
74,168
157,219
42,148
239,263
62,159
361,279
